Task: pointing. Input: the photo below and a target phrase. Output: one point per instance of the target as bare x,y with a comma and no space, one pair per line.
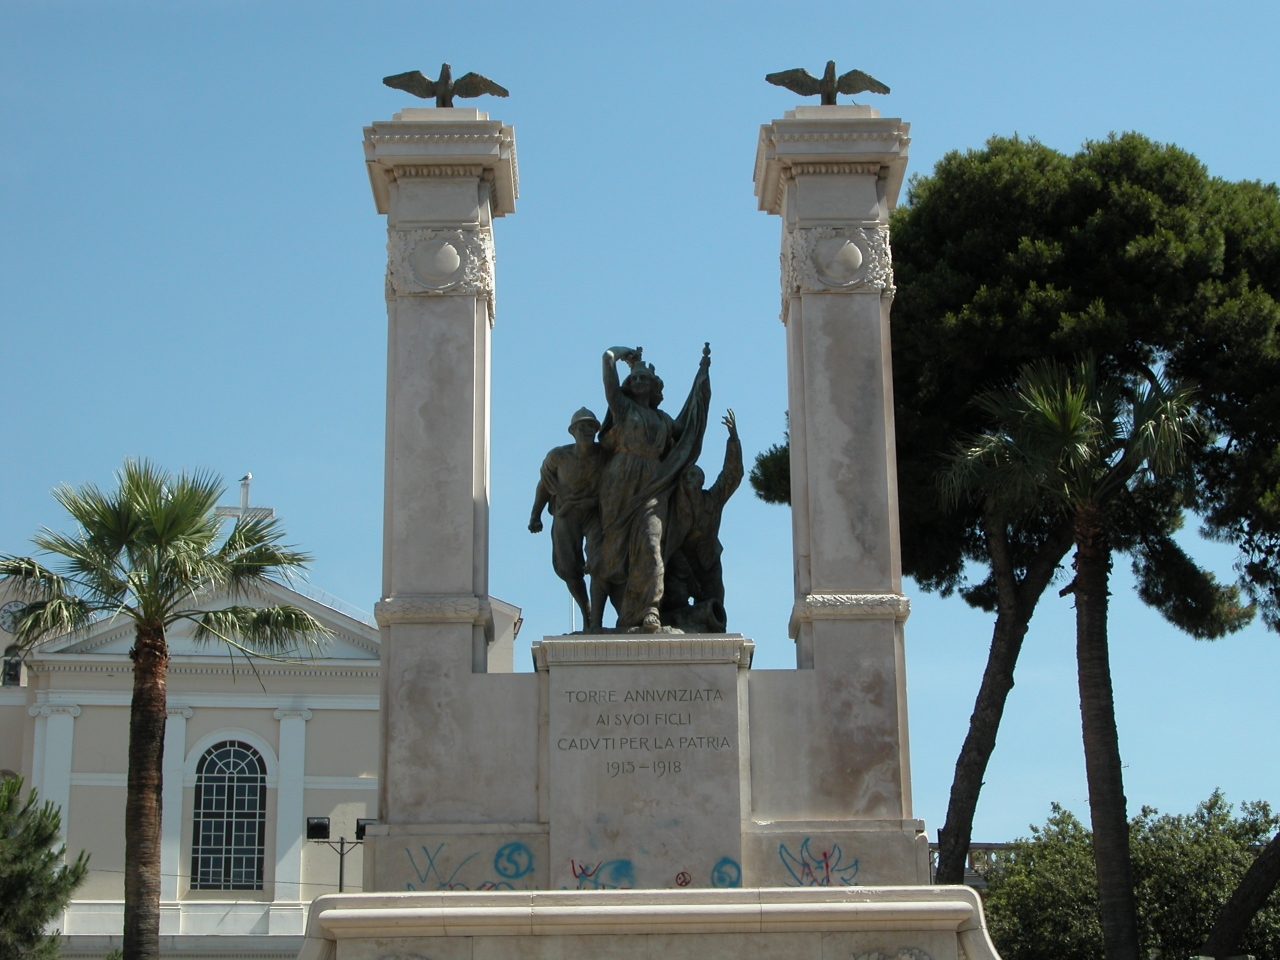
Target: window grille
229,830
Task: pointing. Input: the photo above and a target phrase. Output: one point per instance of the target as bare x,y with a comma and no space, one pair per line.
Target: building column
175,755
59,739
290,821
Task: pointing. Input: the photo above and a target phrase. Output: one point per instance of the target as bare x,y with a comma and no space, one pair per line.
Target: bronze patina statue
802,82
636,499
570,487
446,88
694,574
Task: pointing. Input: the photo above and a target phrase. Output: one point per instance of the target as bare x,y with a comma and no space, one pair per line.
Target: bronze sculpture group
629,510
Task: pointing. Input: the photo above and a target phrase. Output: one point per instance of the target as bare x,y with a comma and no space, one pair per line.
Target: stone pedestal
886,923
648,742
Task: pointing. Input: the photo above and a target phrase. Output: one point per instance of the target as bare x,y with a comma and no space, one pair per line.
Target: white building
251,751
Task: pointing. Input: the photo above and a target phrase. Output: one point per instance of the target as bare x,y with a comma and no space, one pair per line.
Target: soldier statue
570,487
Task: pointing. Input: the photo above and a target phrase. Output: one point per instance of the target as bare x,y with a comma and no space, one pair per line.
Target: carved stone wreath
830,259
440,262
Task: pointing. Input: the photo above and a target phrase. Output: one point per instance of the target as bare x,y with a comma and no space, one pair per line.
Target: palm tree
151,551
1063,439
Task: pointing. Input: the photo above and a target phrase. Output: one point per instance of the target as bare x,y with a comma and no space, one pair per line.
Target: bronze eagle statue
446,88
802,82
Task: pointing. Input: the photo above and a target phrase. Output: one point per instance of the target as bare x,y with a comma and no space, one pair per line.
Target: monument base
851,923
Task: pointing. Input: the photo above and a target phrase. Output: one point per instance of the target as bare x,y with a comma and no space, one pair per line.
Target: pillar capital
848,142
184,712
50,709
433,144
283,713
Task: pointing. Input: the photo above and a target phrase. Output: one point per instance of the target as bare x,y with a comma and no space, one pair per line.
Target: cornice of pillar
436,608
846,140
302,713
454,142
184,712
848,606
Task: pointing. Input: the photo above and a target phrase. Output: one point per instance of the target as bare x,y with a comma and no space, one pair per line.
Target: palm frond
282,631
29,579
43,619
252,554
92,568
109,523
1063,434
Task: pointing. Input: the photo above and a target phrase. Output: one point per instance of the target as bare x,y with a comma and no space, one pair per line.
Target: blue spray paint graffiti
607,875
726,873
513,861
824,869
430,873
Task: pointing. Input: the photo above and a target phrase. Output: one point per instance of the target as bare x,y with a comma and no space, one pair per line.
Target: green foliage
1127,250
1042,895
771,475
35,884
150,551
1062,438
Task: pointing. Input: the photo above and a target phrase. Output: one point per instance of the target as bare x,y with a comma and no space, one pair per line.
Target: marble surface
645,775
886,923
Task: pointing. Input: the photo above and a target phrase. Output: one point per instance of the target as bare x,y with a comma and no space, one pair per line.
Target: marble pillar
441,176
832,174
458,771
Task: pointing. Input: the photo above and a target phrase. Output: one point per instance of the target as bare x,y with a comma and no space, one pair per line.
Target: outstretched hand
730,421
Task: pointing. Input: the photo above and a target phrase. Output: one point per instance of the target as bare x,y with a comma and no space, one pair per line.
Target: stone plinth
647,738
886,923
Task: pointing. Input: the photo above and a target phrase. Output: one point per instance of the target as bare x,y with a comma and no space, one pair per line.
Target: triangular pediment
353,637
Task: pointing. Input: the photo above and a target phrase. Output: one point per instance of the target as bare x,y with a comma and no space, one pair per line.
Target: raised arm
731,475
612,386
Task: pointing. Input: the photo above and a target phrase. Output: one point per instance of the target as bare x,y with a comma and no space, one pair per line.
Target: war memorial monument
644,792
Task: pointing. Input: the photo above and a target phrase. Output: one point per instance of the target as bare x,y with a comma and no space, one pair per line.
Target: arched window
229,832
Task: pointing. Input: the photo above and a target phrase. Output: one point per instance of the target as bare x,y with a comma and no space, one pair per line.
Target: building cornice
210,666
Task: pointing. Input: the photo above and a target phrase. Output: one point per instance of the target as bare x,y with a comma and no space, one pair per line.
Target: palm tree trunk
1246,900
142,813
1016,603
1101,742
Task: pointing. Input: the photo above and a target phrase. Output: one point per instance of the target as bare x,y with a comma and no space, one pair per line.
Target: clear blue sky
191,269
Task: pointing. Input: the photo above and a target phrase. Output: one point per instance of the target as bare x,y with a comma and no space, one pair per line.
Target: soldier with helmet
570,487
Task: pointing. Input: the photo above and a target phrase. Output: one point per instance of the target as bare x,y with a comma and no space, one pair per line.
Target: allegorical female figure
648,453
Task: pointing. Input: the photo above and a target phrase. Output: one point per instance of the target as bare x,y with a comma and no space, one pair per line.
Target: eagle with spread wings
446,88
802,82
